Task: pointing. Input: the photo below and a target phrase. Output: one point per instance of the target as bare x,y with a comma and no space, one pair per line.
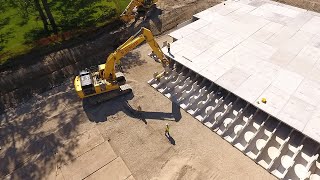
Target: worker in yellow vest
167,133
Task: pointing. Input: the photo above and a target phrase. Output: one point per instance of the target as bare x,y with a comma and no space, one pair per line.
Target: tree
49,15
117,5
40,7
23,5
42,15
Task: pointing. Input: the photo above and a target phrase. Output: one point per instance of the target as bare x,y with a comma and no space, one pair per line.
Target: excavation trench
21,80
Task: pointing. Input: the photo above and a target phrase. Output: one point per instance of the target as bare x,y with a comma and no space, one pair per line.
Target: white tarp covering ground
259,49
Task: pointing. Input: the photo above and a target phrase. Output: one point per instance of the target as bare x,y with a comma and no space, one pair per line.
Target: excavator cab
86,82
137,8
147,4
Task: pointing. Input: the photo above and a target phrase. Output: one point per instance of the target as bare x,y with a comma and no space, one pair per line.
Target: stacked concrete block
261,139
315,171
272,150
304,160
285,161
234,55
283,151
239,125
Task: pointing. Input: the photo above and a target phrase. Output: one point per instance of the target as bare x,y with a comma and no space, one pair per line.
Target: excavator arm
128,14
135,40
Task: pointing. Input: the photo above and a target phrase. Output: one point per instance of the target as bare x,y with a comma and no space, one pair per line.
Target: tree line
74,12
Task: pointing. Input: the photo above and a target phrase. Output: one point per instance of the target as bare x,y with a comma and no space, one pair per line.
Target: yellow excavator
104,82
142,7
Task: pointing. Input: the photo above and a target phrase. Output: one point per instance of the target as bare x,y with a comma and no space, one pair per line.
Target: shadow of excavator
101,112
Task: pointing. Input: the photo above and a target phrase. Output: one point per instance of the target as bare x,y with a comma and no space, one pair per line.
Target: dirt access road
57,136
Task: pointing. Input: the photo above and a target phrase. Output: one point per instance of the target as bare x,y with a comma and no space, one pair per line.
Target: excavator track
99,98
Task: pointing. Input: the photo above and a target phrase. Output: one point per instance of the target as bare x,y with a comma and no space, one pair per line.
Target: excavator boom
135,40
